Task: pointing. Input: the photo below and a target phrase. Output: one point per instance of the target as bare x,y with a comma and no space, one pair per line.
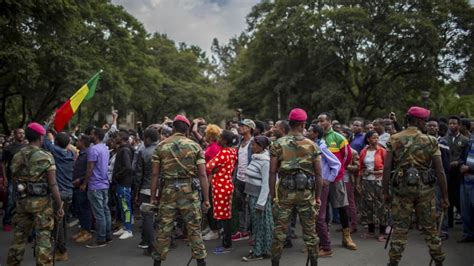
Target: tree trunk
6,129
23,112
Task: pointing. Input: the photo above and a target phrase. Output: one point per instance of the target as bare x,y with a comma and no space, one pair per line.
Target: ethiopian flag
69,108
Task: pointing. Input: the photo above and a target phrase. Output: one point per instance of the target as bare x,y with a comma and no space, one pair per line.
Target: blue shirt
467,158
64,160
358,142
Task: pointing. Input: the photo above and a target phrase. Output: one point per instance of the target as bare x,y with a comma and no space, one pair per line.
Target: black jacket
122,173
144,167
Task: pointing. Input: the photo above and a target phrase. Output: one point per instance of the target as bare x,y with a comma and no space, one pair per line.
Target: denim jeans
467,209
83,209
7,218
124,195
98,200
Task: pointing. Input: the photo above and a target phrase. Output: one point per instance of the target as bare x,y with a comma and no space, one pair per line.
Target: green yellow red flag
65,113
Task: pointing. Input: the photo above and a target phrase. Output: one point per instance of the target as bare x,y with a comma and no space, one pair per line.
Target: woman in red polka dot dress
221,168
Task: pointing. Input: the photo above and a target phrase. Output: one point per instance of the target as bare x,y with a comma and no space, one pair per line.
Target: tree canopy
49,49
353,58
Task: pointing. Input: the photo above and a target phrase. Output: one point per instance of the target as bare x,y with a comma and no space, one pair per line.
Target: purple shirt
99,154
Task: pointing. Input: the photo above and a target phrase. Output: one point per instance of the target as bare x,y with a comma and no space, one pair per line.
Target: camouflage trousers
305,204
24,223
420,198
185,201
372,209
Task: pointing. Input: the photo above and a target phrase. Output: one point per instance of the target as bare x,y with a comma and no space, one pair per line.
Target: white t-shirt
383,139
243,162
369,162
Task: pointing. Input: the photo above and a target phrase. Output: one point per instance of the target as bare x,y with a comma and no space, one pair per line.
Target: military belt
34,189
178,183
412,177
297,181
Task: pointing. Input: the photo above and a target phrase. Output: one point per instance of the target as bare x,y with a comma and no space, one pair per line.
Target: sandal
382,238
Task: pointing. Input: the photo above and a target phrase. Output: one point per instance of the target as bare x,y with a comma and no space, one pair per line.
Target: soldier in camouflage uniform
34,177
177,161
296,159
410,154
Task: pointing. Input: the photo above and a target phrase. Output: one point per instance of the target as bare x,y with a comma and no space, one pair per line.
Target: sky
195,22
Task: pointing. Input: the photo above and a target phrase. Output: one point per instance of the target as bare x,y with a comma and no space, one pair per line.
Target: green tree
49,49
354,58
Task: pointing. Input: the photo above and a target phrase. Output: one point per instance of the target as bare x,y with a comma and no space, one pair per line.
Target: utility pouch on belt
412,176
196,184
311,183
39,189
301,181
288,183
20,191
429,177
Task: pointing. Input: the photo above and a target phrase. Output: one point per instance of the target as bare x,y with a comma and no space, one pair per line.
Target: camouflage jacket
31,163
413,148
178,148
295,153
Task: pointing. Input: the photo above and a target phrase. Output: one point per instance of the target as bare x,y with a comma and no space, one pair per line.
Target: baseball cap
248,122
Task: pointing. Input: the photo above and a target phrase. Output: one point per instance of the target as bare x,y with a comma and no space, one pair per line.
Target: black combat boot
201,262
157,263
393,263
275,262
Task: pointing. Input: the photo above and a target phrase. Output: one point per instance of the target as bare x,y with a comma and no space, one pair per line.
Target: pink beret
298,114
37,128
419,112
182,118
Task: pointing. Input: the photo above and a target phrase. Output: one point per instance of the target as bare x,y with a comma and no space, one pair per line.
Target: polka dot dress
222,187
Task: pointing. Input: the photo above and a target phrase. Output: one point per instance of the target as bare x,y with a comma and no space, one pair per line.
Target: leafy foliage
49,49
353,58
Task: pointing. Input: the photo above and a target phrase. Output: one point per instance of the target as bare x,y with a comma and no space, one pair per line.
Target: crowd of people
195,180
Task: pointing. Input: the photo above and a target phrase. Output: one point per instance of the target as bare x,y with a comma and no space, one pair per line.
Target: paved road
370,252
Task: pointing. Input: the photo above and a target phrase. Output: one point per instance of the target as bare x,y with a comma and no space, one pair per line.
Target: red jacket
380,154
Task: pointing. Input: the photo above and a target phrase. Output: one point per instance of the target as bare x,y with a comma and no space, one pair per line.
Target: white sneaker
211,236
119,232
205,231
126,235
